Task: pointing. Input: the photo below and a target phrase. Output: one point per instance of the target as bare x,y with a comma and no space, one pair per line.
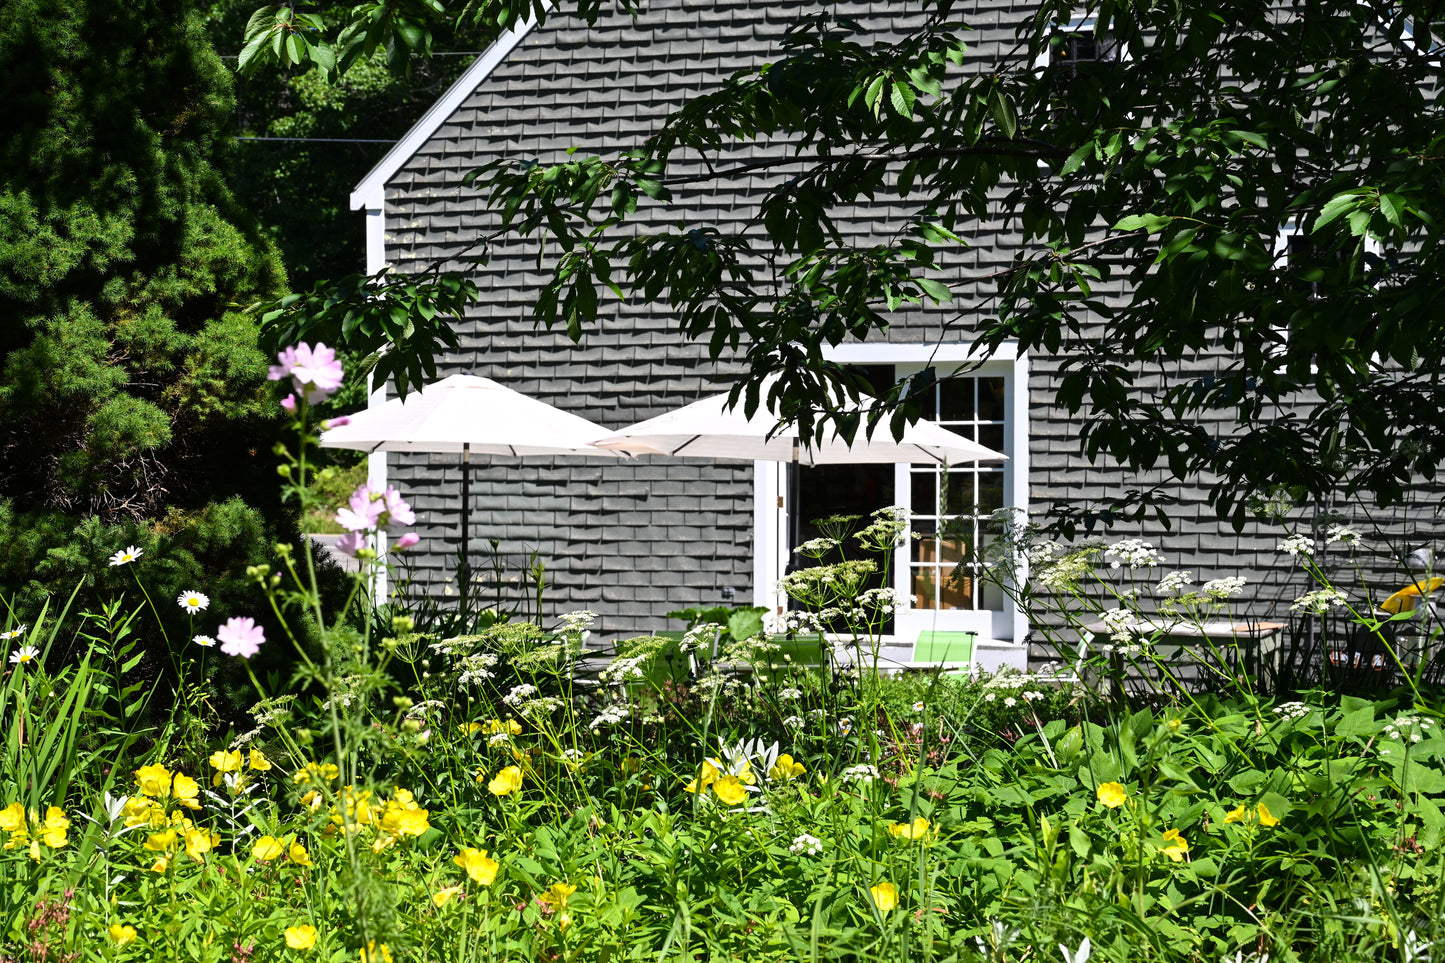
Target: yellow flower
1177,847
301,937
730,790
187,791
508,781
914,830
1112,794
311,800
315,770
705,778
162,842
267,848
470,728
556,897
405,822
785,768
161,864
259,761
12,817
153,780
479,867
1266,818
121,935
52,831
223,761
444,896
494,726
1237,815
199,842
375,952
139,810
298,855
885,896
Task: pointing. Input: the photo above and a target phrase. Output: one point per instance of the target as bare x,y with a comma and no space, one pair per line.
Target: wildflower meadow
397,785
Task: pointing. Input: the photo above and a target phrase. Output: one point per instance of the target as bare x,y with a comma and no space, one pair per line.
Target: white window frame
771,514
1294,227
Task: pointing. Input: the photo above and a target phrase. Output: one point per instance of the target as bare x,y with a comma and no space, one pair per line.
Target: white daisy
130,554
205,640
14,633
193,602
24,654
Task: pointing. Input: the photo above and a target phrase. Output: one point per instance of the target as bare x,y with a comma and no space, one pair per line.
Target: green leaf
1005,114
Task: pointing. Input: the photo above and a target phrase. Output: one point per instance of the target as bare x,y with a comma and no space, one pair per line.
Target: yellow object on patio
1408,598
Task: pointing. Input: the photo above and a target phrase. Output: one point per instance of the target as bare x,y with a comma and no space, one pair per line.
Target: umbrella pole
464,571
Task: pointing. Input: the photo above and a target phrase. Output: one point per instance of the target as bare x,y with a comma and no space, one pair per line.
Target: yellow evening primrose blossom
187,792
267,848
12,817
405,822
141,811
153,780
223,761
556,896
478,865
320,771
258,761
1266,818
885,896
298,854
1112,794
301,937
1177,846
785,768
1237,815
914,830
375,952
162,842
508,781
121,935
444,896
52,831
199,842
730,790
705,778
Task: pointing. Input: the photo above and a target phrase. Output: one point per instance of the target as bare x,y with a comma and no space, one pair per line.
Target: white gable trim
370,194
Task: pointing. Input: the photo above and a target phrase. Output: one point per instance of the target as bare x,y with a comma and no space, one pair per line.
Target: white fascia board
370,194
874,352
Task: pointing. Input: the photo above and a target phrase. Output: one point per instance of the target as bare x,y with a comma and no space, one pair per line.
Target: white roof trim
370,194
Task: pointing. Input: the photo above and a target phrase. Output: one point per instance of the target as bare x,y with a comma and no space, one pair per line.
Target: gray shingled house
633,540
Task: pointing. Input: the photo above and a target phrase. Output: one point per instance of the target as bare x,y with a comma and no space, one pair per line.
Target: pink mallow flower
368,509
241,637
407,541
315,372
350,543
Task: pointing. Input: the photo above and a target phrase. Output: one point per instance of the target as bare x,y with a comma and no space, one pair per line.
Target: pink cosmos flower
315,372
241,637
367,509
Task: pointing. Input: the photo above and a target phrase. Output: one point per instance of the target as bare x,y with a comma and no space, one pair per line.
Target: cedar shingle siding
634,540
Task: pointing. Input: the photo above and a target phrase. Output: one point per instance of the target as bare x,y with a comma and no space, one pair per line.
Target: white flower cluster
519,694
577,621
790,694
1409,728
1174,582
1291,710
1219,589
611,715
793,722
806,845
622,669
1298,546
499,738
1132,553
542,705
1043,552
1122,624
476,667
862,772
792,622
1344,534
1064,573
1319,602
817,547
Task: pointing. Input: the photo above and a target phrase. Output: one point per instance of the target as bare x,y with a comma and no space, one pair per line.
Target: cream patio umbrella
467,415
710,429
